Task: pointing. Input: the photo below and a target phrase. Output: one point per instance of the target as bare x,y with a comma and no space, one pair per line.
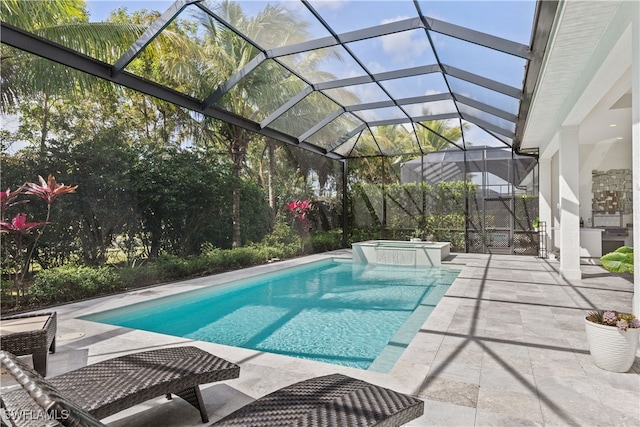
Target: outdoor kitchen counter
591,242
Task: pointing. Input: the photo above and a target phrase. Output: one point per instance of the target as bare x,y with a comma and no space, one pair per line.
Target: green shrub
68,283
134,276
174,267
282,233
239,257
327,241
277,250
214,260
363,234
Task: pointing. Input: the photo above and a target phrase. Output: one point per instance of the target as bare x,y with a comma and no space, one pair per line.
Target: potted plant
613,339
613,336
536,224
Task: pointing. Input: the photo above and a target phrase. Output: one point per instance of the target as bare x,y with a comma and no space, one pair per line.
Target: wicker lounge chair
331,400
33,334
52,408
108,387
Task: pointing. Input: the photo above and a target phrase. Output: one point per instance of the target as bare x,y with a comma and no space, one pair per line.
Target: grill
615,231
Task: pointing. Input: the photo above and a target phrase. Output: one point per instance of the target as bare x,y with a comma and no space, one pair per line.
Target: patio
505,346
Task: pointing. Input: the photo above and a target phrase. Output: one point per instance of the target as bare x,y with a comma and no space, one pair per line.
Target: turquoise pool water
334,311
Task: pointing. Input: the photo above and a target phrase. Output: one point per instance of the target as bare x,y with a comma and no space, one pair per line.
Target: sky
506,19
99,9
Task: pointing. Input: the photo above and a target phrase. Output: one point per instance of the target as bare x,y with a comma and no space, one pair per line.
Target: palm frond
34,15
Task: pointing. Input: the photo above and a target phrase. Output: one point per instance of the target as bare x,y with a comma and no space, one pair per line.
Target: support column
635,150
569,168
544,198
345,200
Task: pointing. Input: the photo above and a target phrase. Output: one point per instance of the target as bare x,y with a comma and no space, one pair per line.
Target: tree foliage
158,180
415,208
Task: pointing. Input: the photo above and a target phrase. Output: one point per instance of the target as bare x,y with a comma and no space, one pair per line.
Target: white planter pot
611,349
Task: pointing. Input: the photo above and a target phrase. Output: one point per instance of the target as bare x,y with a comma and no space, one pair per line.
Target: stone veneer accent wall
612,190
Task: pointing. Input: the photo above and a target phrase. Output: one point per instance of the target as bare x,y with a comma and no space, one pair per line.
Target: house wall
585,89
603,157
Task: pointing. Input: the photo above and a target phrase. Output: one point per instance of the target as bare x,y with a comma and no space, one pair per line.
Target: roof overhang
586,70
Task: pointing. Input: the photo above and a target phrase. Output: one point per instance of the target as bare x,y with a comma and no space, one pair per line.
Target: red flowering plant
24,235
300,209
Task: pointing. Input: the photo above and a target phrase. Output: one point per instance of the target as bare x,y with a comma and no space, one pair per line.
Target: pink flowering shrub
21,235
300,209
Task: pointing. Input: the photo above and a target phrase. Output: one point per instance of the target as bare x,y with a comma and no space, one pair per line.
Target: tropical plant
180,207
622,321
24,74
263,90
24,243
612,338
437,135
38,84
619,261
69,283
299,210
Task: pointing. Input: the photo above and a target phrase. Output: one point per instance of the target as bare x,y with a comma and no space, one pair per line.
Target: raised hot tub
400,252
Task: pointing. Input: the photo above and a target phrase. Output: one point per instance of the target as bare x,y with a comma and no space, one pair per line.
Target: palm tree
27,78
436,135
261,91
23,74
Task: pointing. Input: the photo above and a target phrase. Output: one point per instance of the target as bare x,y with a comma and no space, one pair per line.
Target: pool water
334,311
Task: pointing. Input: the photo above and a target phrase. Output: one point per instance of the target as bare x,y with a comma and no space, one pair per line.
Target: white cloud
375,67
368,92
330,4
10,123
397,45
353,72
403,46
413,109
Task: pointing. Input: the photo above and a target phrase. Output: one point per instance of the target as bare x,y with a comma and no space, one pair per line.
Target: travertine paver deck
506,346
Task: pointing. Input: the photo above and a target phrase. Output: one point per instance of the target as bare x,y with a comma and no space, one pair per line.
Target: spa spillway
398,252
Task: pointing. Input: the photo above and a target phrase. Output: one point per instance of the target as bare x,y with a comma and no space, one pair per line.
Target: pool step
400,341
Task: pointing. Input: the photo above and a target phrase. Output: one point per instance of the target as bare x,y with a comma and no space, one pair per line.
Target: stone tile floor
506,346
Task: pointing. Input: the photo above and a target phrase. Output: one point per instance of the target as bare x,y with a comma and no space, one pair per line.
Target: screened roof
326,75
452,164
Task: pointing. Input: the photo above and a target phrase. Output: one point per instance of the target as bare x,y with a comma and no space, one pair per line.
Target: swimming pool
333,311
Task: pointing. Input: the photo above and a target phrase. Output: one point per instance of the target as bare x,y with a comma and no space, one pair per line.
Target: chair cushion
22,324
332,400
